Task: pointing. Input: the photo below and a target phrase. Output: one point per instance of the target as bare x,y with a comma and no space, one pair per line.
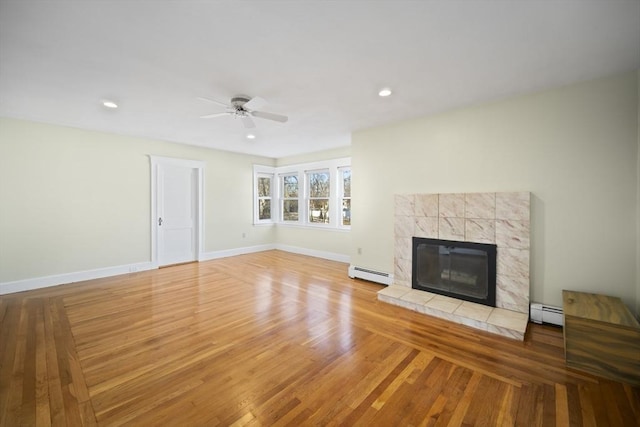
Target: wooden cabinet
601,336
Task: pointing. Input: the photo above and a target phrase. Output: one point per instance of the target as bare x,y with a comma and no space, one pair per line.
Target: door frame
156,163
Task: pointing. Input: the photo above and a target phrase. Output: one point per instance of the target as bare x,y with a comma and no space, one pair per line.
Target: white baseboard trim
78,276
206,256
332,256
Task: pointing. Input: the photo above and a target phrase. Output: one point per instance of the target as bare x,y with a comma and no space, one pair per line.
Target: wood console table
601,336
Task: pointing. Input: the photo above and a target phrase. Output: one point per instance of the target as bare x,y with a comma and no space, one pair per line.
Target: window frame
282,199
263,172
334,167
329,221
342,197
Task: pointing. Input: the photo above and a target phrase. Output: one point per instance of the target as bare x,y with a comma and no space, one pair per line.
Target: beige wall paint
316,240
74,200
574,148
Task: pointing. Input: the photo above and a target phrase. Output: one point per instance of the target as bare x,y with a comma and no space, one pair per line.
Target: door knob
159,221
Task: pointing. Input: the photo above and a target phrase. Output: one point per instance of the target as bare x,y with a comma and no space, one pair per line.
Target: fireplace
463,270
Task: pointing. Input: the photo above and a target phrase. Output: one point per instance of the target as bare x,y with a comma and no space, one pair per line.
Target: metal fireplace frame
489,249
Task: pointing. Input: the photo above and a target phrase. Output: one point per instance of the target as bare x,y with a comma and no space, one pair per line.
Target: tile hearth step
510,324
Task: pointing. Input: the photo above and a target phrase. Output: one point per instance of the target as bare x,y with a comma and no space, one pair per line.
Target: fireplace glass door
455,269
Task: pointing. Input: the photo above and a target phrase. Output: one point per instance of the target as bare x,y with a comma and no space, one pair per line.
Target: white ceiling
319,62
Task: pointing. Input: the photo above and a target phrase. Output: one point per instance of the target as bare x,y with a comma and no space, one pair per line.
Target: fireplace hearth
501,219
463,270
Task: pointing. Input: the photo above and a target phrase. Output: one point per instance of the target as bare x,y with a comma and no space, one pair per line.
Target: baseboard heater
541,313
370,275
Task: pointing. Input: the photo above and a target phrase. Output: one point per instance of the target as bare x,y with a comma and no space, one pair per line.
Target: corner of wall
333,153
638,203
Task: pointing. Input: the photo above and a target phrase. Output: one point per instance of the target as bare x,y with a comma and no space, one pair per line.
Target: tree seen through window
319,195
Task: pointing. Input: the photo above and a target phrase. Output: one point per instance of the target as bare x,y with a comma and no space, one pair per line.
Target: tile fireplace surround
499,218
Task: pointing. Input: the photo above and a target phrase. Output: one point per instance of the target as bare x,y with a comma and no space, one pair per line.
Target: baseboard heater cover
541,313
370,275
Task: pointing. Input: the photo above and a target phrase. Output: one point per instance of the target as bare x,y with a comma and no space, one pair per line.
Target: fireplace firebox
463,270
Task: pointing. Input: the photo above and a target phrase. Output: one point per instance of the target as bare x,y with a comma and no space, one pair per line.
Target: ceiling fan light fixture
384,92
109,104
245,108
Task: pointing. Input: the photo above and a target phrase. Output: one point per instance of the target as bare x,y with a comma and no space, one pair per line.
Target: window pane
264,209
264,187
290,210
290,187
319,184
346,182
346,212
319,211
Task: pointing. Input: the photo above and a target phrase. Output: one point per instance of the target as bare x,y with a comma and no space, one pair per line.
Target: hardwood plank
460,412
9,340
598,410
573,405
587,408
416,361
29,369
43,408
620,412
15,381
456,388
274,338
506,414
483,411
56,400
549,406
421,396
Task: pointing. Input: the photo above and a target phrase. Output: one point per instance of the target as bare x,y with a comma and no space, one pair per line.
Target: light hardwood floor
275,338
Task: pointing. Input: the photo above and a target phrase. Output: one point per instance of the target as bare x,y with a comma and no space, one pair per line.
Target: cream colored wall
574,148
74,200
332,243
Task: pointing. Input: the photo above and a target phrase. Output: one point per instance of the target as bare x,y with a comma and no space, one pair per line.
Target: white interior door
177,214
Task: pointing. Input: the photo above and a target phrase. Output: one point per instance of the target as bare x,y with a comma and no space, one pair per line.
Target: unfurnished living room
373,213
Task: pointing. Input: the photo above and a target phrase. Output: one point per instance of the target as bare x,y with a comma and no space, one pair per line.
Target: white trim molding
78,276
99,273
331,256
267,247
207,256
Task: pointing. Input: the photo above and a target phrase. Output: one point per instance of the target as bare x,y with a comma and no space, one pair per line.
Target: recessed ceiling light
109,104
384,92
251,136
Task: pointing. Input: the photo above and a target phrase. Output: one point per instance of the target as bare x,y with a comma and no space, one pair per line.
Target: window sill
314,227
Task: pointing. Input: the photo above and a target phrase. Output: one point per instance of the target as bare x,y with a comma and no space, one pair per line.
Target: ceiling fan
245,108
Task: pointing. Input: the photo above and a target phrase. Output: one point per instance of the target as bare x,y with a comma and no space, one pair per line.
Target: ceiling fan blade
210,116
248,122
224,104
270,116
255,103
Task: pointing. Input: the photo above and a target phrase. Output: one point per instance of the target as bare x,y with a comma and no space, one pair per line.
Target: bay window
314,194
